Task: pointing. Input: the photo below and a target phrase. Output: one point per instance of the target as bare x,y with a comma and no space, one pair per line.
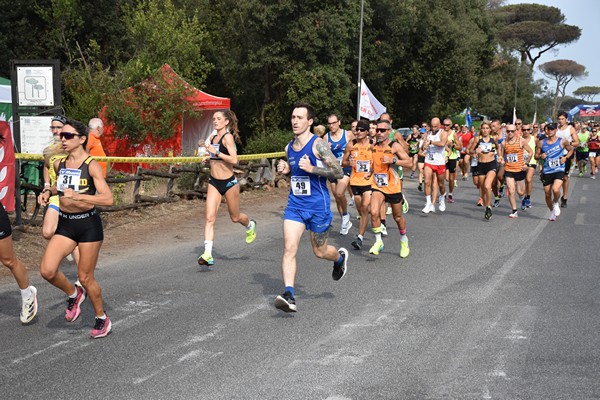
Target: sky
585,51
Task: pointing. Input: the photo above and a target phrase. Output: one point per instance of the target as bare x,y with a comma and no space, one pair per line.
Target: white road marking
499,276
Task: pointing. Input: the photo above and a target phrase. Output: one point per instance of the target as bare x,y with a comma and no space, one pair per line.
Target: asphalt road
500,309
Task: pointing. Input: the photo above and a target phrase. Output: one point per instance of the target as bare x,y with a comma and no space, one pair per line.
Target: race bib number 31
301,185
68,179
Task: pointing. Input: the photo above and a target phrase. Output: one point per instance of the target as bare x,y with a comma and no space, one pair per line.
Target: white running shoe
388,211
345,227
29,307
552,216
513,215
428,208
442,205
383,230
556,209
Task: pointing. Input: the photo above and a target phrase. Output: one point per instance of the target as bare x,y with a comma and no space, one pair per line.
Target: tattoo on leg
321,238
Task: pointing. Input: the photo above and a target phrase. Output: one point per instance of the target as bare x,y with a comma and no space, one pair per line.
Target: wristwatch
394,160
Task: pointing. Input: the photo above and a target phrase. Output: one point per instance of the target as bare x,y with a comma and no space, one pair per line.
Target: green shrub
269,142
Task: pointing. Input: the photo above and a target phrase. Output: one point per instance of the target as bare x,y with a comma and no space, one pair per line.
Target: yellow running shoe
377,247
251,232
404,249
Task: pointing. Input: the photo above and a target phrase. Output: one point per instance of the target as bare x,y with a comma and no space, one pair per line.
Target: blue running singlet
307,191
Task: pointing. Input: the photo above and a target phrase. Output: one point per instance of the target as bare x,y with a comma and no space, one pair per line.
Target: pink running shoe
73,309
101,328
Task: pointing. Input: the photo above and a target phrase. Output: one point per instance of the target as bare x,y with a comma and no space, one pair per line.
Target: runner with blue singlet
551,150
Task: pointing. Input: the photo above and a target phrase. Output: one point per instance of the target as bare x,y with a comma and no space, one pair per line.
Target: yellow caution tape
157,160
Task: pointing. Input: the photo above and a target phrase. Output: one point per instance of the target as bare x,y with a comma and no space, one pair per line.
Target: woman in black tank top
81,186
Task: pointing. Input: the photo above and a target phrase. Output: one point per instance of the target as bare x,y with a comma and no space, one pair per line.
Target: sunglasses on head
68,135
381,130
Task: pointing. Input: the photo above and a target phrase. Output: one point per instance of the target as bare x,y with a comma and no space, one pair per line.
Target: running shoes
29,307
286,302
251,232
340,269
376,248
73,304
102,327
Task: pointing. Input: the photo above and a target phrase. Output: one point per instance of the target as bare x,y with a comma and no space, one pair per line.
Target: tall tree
563,72
534,29
587,93
269,55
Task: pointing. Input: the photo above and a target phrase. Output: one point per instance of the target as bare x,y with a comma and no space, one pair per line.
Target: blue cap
422,130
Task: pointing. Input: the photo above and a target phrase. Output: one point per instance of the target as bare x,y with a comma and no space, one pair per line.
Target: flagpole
362,7
516,84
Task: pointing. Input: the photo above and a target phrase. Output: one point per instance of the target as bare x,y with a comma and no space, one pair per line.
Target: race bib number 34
68,179
301,185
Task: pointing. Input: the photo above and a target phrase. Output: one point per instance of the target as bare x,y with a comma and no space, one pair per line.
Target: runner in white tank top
567,132
435,163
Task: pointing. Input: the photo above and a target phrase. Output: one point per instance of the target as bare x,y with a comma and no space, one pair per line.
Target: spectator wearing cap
94,145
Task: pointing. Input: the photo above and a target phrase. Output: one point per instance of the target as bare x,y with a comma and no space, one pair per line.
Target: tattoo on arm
332,168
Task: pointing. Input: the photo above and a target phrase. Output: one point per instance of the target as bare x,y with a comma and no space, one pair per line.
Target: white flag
514,115
534,118
370,107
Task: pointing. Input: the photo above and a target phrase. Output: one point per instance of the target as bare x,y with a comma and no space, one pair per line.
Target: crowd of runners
368,162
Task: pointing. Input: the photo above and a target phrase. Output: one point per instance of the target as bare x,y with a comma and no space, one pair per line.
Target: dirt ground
126,232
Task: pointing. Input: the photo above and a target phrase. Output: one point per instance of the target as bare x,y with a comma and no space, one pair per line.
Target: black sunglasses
361,129
525,129
381,130
68,135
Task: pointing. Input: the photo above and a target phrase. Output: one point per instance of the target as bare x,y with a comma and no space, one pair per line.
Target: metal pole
362,7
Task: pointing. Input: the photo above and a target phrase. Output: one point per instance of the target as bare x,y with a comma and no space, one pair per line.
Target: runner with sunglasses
359,156
81,187
552,150
531,164
514,148
387,185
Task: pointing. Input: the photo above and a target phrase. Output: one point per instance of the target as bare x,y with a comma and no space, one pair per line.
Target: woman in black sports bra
222,154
